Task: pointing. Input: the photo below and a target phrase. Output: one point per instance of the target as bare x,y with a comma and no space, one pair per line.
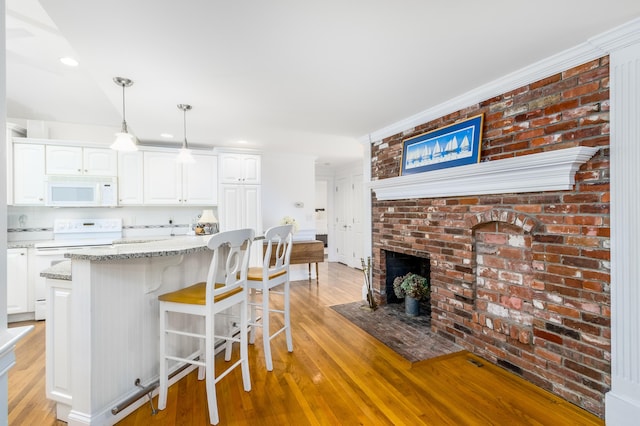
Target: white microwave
81,191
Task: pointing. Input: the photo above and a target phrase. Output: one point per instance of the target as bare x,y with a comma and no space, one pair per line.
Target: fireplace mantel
545,171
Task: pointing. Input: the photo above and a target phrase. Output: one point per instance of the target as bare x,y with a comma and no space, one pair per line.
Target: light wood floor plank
337,375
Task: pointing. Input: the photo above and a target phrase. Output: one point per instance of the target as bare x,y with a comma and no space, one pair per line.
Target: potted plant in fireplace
413,288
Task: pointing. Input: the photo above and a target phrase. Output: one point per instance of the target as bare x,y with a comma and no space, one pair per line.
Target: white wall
287,180
68,131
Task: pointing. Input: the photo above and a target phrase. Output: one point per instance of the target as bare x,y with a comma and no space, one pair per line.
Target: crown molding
594,48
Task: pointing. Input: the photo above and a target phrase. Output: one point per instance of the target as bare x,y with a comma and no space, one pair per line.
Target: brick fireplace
520,278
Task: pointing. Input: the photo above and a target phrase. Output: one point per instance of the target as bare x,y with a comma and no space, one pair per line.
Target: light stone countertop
173,246
131,250
59,271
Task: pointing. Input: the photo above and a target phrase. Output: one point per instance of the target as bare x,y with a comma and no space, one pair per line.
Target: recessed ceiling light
166,135
68,61
243,142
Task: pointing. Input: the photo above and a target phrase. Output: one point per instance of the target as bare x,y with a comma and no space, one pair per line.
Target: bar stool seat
196,294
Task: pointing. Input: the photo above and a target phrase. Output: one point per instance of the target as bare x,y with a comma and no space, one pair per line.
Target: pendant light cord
124,121
184,112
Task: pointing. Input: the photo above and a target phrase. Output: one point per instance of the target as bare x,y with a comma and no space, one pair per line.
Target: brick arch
504,288
529,224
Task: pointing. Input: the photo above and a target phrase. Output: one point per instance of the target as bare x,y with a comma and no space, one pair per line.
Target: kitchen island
102,324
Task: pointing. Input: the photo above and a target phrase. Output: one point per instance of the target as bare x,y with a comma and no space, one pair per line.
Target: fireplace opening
398,264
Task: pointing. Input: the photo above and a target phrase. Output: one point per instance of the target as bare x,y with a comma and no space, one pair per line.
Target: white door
357,209
341,220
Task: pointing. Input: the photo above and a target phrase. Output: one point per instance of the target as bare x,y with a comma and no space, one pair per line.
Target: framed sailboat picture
454,145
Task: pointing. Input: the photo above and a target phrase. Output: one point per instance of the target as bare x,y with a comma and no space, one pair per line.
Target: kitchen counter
129,250
59,271
172,246
103,303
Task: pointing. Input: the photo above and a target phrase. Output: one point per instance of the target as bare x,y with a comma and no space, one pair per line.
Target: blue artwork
449,146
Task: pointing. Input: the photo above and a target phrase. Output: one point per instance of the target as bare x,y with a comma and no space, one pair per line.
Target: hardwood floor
337,375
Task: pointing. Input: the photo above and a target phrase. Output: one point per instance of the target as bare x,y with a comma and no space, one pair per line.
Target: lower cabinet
17,281
58,356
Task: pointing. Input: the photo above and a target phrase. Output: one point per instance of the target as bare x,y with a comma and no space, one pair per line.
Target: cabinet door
130,178
64,160
239,207
252,217
100,162
162,179
17,281
28,174
200,181
58,354
251,169
230,208
240,168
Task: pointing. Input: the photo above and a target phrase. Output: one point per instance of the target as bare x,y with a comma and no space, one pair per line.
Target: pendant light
185,153
124,140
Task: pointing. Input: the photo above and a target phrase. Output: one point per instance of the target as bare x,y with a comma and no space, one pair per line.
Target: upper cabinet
167,182
28,174
75,160
130,178
239,168
200,181
150,176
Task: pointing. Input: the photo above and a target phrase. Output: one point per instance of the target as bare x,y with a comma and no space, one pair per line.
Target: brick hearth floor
409,336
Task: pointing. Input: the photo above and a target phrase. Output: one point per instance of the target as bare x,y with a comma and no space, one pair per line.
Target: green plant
412,285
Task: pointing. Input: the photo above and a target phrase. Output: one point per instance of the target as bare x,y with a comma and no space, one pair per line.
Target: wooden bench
306,252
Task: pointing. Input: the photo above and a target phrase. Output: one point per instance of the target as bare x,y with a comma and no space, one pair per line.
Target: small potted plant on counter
413,288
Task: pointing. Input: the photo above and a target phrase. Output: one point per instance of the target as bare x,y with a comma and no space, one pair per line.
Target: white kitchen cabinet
28,174
241,196
167,182
76,160
58,354
130,178
12,131
240,168
239,207
162,179
200,181
17,281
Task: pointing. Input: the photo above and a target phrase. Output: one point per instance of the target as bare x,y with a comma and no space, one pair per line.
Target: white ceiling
308,77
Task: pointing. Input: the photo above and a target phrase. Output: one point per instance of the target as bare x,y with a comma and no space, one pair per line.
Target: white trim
545,171
622,402
593,48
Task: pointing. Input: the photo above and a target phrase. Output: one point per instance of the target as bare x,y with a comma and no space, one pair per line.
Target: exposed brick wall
520,279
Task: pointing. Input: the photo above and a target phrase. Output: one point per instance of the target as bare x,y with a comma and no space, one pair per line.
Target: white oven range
70,235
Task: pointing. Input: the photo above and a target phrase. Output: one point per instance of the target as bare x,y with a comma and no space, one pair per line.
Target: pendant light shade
124,140
184,156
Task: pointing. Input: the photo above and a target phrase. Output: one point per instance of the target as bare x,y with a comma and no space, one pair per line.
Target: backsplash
36,223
